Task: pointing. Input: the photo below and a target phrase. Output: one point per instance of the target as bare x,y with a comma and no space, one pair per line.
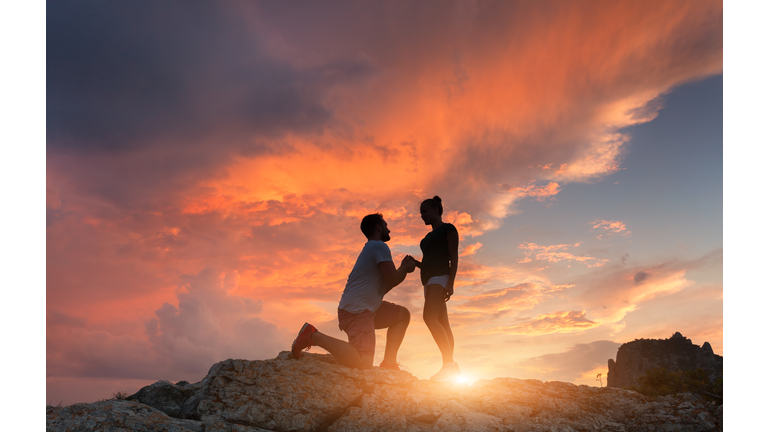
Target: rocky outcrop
676,353
316,393
120,415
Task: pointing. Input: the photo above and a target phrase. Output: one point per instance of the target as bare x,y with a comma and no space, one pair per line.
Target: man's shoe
392,366
303,340
448,371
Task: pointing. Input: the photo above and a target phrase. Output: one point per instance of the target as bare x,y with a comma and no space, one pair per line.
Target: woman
440,249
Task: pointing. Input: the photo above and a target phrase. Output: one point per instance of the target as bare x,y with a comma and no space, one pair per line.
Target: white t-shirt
365,285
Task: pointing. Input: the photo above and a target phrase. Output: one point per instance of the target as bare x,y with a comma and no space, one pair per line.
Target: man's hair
368,225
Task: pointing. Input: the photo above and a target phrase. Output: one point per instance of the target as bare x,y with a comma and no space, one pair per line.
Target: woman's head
431,210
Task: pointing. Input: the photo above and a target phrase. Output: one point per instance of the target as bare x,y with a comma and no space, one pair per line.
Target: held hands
409,263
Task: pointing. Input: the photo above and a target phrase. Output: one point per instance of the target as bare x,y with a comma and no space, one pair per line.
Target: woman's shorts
361,327
436,280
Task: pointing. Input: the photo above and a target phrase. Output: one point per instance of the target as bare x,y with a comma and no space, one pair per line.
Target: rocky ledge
316,393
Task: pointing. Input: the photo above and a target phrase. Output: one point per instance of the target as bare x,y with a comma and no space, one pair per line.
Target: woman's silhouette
440,249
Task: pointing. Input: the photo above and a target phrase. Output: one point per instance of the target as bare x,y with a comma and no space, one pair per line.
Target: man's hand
409,263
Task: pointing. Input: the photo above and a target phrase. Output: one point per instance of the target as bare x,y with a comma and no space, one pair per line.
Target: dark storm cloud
122,75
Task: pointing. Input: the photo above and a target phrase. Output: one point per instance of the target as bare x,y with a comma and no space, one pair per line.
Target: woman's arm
453,256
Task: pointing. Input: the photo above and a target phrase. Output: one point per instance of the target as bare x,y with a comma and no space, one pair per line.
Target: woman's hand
449,291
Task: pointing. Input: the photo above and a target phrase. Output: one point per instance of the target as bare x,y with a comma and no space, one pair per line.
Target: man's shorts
361,327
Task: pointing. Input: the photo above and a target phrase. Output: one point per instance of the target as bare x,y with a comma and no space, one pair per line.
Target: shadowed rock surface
316,393
633,359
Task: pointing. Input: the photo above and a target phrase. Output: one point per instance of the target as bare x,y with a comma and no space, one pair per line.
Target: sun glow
464,379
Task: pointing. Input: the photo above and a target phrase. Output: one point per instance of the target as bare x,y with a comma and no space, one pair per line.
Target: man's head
375,227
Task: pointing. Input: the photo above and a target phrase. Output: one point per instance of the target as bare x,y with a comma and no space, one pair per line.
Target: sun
464,379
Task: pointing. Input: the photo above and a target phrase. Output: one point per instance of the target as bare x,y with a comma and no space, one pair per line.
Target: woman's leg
434,309
443,320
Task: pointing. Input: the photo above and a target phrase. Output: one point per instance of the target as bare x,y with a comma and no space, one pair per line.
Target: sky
207,166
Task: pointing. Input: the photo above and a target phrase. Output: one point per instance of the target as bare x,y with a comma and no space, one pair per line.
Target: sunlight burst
464,379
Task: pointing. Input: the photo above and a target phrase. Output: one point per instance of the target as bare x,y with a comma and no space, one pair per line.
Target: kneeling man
362,309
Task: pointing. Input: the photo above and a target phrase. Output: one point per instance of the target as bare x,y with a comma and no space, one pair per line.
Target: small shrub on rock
120,395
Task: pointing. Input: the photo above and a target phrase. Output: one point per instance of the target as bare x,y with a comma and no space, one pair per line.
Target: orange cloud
555,322
520,297
471,249
610,297
612,227
555,253
539,193
458,107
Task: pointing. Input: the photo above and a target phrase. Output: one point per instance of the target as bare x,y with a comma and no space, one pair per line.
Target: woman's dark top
436,259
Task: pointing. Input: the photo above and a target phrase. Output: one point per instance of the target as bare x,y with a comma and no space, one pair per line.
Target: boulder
633,359
316,393
123,415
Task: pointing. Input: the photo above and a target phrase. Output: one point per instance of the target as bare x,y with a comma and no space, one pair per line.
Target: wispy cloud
471,249
555,322
610,228
613,293
540,193
520,297
555,253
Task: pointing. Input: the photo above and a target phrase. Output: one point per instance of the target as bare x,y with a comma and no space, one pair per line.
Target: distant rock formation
316,393
676,353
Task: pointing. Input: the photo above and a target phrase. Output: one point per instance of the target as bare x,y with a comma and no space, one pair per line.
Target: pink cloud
540,193
610,227
471,249
555,322
520,297
556,253
612,293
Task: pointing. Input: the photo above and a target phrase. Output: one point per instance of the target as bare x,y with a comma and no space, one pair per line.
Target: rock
316,393
164,396
633,359
120,415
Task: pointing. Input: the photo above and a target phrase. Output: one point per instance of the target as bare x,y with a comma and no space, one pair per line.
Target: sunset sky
207,165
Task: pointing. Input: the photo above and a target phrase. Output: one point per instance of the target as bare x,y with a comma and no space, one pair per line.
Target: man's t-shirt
365,285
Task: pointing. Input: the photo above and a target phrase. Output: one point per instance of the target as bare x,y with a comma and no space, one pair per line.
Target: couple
362,308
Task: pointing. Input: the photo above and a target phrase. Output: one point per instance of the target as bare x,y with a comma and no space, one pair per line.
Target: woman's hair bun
437,198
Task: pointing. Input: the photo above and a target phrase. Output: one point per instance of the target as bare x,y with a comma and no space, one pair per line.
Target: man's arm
394,276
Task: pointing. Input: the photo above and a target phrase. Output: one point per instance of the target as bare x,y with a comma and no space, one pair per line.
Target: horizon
207,168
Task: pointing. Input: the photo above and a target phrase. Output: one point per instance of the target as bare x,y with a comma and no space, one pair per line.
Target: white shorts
436,280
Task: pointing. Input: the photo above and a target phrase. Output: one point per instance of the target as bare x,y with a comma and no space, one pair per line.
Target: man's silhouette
362,309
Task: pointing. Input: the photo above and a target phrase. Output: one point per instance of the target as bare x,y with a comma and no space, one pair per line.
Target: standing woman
440,249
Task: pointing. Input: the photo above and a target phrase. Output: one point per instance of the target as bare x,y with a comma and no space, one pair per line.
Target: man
362,308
